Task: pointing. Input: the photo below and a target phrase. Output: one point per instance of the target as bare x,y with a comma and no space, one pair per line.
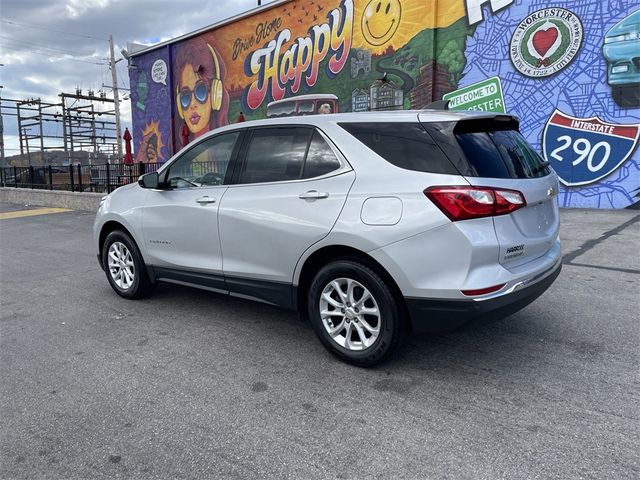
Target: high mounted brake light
464,203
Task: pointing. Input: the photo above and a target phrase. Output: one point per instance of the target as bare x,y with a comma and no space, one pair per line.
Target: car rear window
488,148
405,145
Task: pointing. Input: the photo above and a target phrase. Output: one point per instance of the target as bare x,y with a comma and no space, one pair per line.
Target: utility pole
2,160
116,98
20,128
26,136
65,133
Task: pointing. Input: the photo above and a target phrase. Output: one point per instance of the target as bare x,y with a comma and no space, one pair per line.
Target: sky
53,46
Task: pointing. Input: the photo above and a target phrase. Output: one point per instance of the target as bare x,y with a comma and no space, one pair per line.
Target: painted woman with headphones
202,102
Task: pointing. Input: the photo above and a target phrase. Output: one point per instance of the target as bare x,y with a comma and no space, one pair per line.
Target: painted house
360,99
385,95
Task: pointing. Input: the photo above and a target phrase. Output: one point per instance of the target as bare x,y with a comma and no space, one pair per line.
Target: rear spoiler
483,124
438,105
488,121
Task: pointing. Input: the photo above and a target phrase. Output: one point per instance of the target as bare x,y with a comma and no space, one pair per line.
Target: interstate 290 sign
585,150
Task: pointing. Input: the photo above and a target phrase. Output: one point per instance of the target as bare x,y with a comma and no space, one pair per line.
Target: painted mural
569,69
151,107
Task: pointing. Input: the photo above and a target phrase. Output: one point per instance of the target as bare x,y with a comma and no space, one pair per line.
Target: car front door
180,221
286,195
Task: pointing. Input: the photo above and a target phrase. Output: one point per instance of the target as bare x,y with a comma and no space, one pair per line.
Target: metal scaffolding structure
87,125
86,128
32,114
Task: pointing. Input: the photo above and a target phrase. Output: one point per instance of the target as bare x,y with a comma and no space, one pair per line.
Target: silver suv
374,225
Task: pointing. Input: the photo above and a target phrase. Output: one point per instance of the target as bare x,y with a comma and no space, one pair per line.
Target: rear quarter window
320,158
405,145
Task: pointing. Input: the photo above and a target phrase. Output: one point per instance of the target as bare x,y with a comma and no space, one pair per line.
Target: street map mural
569,69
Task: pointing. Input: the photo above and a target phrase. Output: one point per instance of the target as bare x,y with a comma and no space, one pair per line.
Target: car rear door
288,190
490,152
530,232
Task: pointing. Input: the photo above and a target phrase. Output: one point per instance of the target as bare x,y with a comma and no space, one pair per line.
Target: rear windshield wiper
541,167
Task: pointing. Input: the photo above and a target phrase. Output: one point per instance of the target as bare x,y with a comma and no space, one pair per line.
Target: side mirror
149,180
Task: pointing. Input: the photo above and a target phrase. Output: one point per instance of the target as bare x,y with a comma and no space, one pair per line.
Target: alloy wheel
350,314
121,265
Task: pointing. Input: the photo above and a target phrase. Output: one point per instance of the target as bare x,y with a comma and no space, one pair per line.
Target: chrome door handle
206,199
313,195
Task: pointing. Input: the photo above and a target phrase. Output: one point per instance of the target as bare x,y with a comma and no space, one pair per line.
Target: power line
40,27
42,47
49,55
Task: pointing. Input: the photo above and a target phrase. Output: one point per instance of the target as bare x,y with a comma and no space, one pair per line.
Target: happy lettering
280,68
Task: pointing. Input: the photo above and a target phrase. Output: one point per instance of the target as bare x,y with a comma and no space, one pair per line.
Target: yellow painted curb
32,213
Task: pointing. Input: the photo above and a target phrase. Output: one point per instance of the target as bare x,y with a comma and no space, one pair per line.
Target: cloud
54,46
76,8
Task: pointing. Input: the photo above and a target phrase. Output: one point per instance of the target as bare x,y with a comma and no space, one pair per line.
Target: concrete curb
86,201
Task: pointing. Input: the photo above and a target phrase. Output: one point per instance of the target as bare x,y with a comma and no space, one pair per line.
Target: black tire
141,285
626,96
391,324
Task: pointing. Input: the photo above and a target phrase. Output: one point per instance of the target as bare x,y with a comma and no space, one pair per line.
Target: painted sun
380,24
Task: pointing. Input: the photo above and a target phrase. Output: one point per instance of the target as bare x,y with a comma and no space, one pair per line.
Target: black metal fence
75,178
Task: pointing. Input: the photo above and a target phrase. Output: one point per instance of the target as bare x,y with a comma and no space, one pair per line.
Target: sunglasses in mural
200,92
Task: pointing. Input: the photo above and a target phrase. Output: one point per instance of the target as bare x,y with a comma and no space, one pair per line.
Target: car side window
320,158
405,145
204,164
275,154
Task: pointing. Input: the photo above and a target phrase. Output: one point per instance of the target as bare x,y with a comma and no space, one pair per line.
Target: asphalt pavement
190,384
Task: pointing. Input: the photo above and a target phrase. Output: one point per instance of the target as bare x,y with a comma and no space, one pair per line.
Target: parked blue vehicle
621,50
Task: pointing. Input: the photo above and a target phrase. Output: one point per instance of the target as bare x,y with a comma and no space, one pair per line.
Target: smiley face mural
395,54
380,21
297,48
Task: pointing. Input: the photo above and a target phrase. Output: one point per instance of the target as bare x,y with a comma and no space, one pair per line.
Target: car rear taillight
464,203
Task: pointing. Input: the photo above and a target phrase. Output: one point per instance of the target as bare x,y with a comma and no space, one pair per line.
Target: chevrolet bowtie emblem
551,192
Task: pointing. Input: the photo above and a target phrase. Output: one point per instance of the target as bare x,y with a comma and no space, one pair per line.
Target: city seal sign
585,150
545,42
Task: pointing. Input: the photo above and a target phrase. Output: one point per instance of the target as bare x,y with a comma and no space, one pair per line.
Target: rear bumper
429,315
